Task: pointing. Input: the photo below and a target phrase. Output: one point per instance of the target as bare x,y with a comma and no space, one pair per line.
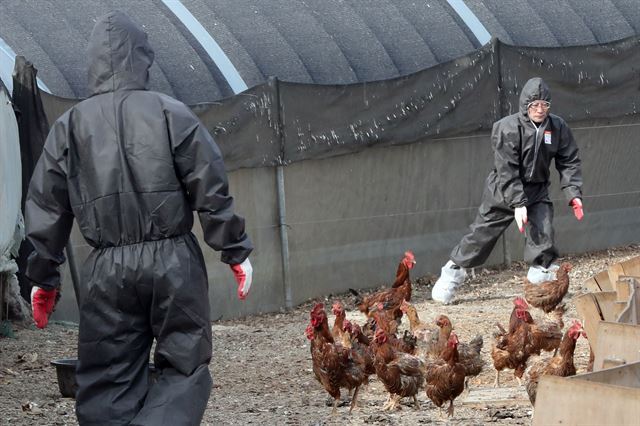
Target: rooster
548,294
560,365
400,373
445,376
334,365
391,298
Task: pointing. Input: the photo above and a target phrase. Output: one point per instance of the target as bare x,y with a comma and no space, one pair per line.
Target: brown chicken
513,349
501,336
468,353
560,365
334,365
400,373
407,343
361,344
391,298
421,330
518,302
338,324
471,358
445,376
438,342
546,334
547,295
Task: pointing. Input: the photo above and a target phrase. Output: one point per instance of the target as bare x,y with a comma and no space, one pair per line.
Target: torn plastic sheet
11,224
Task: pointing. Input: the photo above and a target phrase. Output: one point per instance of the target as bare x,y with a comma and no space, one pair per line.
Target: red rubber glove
244,276
42,304
576,203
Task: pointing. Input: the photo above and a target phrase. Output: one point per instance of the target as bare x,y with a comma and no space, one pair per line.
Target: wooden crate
608,397
629,290
591,315
599,282
617,344
611,394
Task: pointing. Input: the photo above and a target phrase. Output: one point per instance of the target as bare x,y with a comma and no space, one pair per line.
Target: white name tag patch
547,137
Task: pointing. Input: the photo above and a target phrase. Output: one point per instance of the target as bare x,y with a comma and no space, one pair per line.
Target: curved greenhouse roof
208,50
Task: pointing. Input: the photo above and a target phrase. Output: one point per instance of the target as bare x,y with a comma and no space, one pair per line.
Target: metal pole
282,211
284,238
506,255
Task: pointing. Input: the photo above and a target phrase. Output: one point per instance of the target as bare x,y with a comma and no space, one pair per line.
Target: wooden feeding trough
611,393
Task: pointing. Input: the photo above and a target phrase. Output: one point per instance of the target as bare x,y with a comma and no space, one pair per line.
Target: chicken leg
415,400
354,399
450,409
392,404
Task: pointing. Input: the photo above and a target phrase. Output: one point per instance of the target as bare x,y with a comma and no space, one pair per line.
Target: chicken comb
442,320
520,302
409,255
576,324
317,308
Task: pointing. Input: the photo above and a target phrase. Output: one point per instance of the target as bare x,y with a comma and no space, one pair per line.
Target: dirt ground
262,366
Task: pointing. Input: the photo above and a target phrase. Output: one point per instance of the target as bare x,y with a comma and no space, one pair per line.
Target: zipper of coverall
535,147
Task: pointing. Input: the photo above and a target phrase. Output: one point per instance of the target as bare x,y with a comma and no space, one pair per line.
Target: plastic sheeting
10,172
280,123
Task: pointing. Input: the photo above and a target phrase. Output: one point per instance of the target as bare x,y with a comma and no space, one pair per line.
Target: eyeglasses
539,104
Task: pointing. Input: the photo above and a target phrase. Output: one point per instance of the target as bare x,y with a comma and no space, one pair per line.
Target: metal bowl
66,372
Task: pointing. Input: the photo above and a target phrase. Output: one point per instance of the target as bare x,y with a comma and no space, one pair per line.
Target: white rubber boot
538,274
451,277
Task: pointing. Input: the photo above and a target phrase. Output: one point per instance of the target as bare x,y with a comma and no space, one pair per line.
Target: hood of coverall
119,55
534,90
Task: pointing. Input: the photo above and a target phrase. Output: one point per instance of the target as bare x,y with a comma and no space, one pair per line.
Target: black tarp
33,127
280,123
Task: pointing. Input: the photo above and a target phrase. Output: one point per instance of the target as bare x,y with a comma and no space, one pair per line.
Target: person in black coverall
131,166
524,145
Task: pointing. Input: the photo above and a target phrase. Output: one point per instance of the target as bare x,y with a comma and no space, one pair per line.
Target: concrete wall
350,218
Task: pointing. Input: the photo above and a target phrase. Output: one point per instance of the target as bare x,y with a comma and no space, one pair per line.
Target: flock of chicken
432,358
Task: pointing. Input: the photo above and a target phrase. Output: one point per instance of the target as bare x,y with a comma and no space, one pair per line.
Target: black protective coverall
522,159
131,166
